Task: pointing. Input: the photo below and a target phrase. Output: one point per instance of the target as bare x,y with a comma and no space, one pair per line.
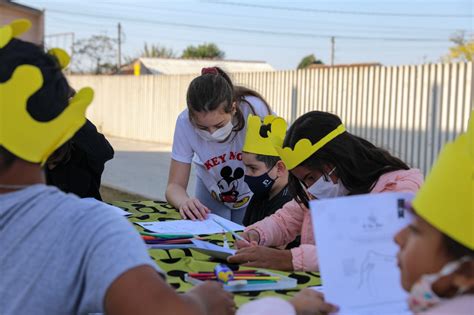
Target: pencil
236,236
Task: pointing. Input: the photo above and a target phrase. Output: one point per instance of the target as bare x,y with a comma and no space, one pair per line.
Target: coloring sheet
207,226
357,253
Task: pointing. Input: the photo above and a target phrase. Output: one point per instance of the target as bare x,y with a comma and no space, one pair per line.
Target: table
177,262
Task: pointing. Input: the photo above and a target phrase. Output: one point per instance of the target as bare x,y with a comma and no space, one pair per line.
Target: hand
308,302
263,257
193,209
212,298
252,237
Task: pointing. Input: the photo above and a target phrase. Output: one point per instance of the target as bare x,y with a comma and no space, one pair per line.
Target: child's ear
281,168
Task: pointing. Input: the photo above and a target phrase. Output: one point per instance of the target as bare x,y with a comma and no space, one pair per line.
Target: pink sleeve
304,258
282,227
400,181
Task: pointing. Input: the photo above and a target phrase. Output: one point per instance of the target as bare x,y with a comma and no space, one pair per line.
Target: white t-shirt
219,165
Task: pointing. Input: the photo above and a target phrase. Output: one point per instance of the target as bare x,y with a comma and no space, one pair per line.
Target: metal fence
409,110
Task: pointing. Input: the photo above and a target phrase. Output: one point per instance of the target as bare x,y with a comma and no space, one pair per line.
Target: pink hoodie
294,219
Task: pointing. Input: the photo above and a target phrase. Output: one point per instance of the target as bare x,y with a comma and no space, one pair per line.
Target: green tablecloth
177,262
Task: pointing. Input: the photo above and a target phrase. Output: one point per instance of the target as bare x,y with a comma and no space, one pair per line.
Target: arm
305,302
304,258
142,291
282,227
176,193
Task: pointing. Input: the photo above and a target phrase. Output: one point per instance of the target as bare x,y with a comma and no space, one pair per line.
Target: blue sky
279,32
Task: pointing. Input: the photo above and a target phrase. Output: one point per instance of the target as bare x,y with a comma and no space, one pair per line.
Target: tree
203,51
309,60
157,51
95,55
463,49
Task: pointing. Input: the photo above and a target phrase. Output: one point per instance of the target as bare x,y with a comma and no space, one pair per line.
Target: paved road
140,168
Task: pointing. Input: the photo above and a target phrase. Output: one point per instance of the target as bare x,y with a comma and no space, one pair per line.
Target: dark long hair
211,90
46,103
359,163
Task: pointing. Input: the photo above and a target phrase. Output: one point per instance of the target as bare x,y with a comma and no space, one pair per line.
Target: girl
325,161
436,256
211,132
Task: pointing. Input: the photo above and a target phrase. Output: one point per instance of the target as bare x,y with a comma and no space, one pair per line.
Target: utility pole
119,42
333,49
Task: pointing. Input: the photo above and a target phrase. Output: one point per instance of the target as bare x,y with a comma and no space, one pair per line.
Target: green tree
203,51
157,51
95,54
309,60
463,49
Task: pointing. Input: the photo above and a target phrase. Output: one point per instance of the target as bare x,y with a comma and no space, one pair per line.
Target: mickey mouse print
230,188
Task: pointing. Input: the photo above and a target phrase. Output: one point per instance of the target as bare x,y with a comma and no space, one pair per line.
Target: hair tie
211,70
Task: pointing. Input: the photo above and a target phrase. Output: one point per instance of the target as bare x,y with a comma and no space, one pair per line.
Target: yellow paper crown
446,200
303,148
14,29
257,143
61,55
20,134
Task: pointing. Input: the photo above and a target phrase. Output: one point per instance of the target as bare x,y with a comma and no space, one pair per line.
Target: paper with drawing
357,254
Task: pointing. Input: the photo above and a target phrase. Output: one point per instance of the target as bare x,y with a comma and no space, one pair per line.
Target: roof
352,65
194,66
21,6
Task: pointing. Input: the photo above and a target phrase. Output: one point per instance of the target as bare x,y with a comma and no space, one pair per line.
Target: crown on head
303,148
257,139
448,207
22,135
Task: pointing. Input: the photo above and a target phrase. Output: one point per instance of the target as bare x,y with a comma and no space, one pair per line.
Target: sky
391,32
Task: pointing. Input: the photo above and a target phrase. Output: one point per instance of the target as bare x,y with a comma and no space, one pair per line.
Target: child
436,256
212,130
60,254
265,173
325,161
77,166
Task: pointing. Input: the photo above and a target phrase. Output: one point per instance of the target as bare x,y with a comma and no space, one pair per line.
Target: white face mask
422,296
219,135
323,188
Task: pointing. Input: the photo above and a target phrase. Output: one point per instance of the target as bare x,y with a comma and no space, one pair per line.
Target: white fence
410,110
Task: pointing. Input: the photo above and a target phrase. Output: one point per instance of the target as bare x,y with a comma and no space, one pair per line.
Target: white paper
318,288
357,253
212,249
207,226
106,205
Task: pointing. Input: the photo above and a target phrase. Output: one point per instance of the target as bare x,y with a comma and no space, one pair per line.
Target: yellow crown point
257,143
303,148
14,29
446,200
25,137
63,57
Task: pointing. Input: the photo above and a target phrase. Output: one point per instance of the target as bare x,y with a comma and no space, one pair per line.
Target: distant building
351,65
170,66
10,11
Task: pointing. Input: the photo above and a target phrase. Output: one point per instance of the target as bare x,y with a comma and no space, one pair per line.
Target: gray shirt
59,254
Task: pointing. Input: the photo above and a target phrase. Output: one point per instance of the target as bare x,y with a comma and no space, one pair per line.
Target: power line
252,31
262,6
145,29
328,23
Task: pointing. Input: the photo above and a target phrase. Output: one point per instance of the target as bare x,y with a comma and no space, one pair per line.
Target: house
351,65
10,11
174,66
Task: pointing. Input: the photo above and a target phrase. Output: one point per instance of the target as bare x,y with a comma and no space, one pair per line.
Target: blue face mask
260,185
